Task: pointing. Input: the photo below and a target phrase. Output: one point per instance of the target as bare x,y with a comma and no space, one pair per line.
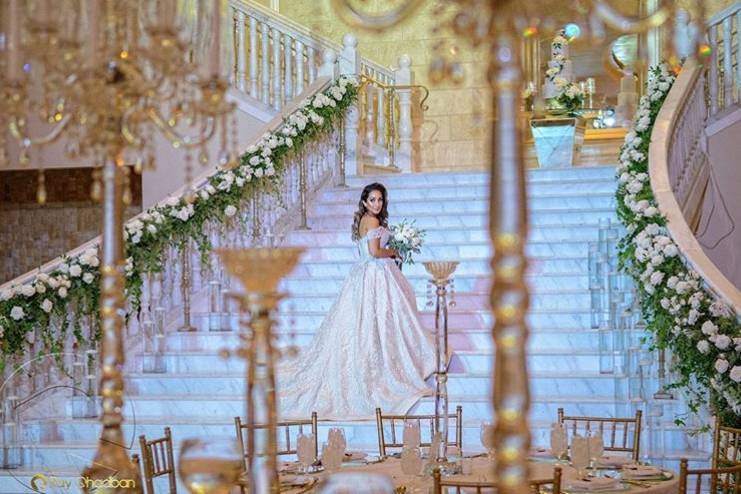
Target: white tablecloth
482,471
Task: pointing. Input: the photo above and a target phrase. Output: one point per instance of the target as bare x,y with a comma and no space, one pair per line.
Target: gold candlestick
260,271
441,271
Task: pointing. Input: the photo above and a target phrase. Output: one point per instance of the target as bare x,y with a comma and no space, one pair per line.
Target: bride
371,349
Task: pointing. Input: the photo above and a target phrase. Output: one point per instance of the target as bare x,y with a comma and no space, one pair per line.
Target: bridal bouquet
406,238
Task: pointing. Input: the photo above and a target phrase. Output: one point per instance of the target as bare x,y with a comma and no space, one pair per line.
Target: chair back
463,486
287,432
726,445
618,434
721,480
394,424
157,460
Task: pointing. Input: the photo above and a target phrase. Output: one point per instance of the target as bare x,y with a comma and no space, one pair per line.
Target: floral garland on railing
74,286
682,315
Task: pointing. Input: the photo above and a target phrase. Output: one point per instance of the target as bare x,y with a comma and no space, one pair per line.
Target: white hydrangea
722,341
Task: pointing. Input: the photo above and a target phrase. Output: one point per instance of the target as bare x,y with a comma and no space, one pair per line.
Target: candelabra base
446,467
186,329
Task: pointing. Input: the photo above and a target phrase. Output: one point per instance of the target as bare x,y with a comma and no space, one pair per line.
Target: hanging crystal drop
41,191
452,293
430,303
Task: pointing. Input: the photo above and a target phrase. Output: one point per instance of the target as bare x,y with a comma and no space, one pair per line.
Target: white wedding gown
370,351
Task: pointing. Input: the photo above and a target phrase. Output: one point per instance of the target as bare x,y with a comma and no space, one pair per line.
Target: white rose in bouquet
407,240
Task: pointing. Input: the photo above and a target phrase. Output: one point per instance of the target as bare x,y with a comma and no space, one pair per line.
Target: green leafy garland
681,314
69,294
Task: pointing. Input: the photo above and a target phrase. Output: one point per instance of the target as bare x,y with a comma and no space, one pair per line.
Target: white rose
203,195
735,374
289,142
151,229
75,271
650,211
255,160
88,278
17,313
703,346
172,201
183,214
657,259
46,305
6,294
230,211
721,365
239,181
210,189
270,171
28,290
251,149
259,172
723,341
672,282
62,292
40,288
656,277
665,303
682,287
708,328
136,238
671,250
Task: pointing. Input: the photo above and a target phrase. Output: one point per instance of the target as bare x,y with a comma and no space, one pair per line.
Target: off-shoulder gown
370,351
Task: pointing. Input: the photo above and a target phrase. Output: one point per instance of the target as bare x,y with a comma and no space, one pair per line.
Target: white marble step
459,339
477,220
302,285
472,267
341,236
559,175
563,188
462,251
476,360
562,318
401,206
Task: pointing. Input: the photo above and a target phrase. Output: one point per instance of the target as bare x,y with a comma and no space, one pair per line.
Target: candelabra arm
185,141
17,133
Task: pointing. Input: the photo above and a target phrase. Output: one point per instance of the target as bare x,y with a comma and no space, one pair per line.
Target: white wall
169,175
719,231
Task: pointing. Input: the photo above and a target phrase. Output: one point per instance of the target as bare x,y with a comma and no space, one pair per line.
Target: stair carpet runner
201,393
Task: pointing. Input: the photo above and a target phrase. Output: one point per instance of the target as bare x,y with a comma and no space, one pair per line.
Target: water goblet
331,457
210,465
487,438
337,437
580,455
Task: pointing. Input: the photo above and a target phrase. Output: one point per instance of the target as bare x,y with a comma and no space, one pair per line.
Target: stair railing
276,58
724,70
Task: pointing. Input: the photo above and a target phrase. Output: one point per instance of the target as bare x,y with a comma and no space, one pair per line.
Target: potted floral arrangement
570,96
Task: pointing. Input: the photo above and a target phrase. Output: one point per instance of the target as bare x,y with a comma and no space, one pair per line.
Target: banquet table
481,471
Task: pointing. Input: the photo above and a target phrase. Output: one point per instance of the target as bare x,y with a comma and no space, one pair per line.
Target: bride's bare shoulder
367,223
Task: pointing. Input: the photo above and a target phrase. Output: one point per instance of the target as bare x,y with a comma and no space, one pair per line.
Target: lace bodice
363,247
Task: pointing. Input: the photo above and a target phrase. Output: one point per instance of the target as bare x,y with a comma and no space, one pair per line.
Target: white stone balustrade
724,75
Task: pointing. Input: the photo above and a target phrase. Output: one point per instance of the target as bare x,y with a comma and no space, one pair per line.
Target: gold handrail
389,109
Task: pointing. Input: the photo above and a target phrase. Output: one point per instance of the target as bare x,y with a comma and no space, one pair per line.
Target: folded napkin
592,484
614,461
640,471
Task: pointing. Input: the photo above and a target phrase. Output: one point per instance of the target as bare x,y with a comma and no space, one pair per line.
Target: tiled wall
30,234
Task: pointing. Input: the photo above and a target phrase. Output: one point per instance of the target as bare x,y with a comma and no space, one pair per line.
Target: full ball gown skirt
370,351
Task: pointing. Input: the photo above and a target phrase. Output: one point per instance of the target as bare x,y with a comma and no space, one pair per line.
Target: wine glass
411,434
487,438
305,451
210,465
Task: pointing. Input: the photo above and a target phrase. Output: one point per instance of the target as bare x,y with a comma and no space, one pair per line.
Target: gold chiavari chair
288,429
726,446
397,421
467,486
157,460
616,432
722,480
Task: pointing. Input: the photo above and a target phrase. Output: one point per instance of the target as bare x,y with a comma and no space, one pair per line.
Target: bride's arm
374,244
375,249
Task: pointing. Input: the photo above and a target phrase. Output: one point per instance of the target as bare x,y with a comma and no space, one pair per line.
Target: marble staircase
200,392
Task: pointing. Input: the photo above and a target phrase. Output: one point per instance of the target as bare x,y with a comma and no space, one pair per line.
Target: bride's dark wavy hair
382,216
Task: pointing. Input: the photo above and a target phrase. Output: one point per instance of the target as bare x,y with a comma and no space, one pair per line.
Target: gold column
509,294
112,459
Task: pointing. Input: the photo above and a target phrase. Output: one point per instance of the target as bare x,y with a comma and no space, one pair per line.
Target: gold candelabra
441,271
107,77
260,271
499,28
